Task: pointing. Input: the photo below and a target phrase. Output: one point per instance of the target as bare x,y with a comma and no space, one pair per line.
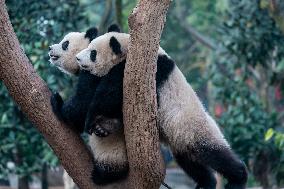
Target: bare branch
196,35
118,12
106,16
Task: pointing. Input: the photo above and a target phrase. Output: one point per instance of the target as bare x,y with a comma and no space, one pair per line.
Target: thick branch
140,105
32,95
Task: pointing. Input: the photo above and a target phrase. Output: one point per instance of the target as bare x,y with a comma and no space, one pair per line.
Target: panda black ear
91,33
113,28
115,45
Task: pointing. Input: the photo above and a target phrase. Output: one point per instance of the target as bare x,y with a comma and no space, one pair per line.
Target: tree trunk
23,183
32,95
106,17
140,103
118,12
44,180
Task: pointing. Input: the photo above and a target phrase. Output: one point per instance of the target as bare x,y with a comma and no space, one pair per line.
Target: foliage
247,69
244,76
190,55
278,137
37,25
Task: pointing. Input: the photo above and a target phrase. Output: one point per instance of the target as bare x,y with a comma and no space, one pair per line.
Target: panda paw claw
100,132
96,129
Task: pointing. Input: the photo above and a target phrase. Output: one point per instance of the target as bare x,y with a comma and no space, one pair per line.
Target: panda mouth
54,57
84,66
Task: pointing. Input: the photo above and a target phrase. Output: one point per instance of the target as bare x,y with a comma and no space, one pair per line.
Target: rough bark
140,105
32,95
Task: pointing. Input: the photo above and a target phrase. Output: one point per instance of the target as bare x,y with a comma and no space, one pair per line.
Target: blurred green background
231,52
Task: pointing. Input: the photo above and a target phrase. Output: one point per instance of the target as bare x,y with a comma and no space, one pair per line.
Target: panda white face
104,53
63,54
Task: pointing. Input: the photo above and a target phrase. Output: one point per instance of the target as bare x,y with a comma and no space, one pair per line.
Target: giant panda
62,55
107,143
196,141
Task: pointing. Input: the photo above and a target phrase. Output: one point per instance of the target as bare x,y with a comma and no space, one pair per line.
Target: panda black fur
110,159
193,136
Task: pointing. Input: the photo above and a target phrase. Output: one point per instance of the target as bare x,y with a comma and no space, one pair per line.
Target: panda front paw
56,104
94,127
100,131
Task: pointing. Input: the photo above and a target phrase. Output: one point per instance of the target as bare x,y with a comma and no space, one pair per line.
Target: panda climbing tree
32,95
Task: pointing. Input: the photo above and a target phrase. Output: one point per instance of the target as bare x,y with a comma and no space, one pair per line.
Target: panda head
63,54
104,52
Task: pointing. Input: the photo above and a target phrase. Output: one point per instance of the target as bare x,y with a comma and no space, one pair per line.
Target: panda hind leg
104,174
224,161
104,126
202,175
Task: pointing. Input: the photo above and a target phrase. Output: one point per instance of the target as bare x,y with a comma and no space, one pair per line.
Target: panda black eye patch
65,45
93,55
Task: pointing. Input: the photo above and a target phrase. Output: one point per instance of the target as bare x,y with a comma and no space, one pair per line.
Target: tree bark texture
146,23
32,95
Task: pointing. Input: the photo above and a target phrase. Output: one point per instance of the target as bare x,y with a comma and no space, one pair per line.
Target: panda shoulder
162,52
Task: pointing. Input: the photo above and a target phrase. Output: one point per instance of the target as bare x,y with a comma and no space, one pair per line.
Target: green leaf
269,134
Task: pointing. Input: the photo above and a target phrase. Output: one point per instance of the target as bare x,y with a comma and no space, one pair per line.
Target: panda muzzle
54,57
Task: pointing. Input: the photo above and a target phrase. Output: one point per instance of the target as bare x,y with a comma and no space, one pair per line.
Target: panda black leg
56,104
225,162
202,175
104,174
67,112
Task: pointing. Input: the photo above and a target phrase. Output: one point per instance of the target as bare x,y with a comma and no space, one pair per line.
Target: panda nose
78,59
49,48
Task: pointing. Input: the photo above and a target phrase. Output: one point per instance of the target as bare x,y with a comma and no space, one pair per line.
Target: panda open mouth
84,67
54,57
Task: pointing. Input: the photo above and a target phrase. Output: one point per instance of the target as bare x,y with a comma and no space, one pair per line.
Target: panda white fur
193,136
107,143
62,54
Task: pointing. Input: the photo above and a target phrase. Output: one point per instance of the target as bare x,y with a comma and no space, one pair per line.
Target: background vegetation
231,52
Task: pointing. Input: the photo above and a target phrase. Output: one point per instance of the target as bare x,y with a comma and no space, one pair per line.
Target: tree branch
106,16
118,12
32,95
273,6
196,35
140,105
